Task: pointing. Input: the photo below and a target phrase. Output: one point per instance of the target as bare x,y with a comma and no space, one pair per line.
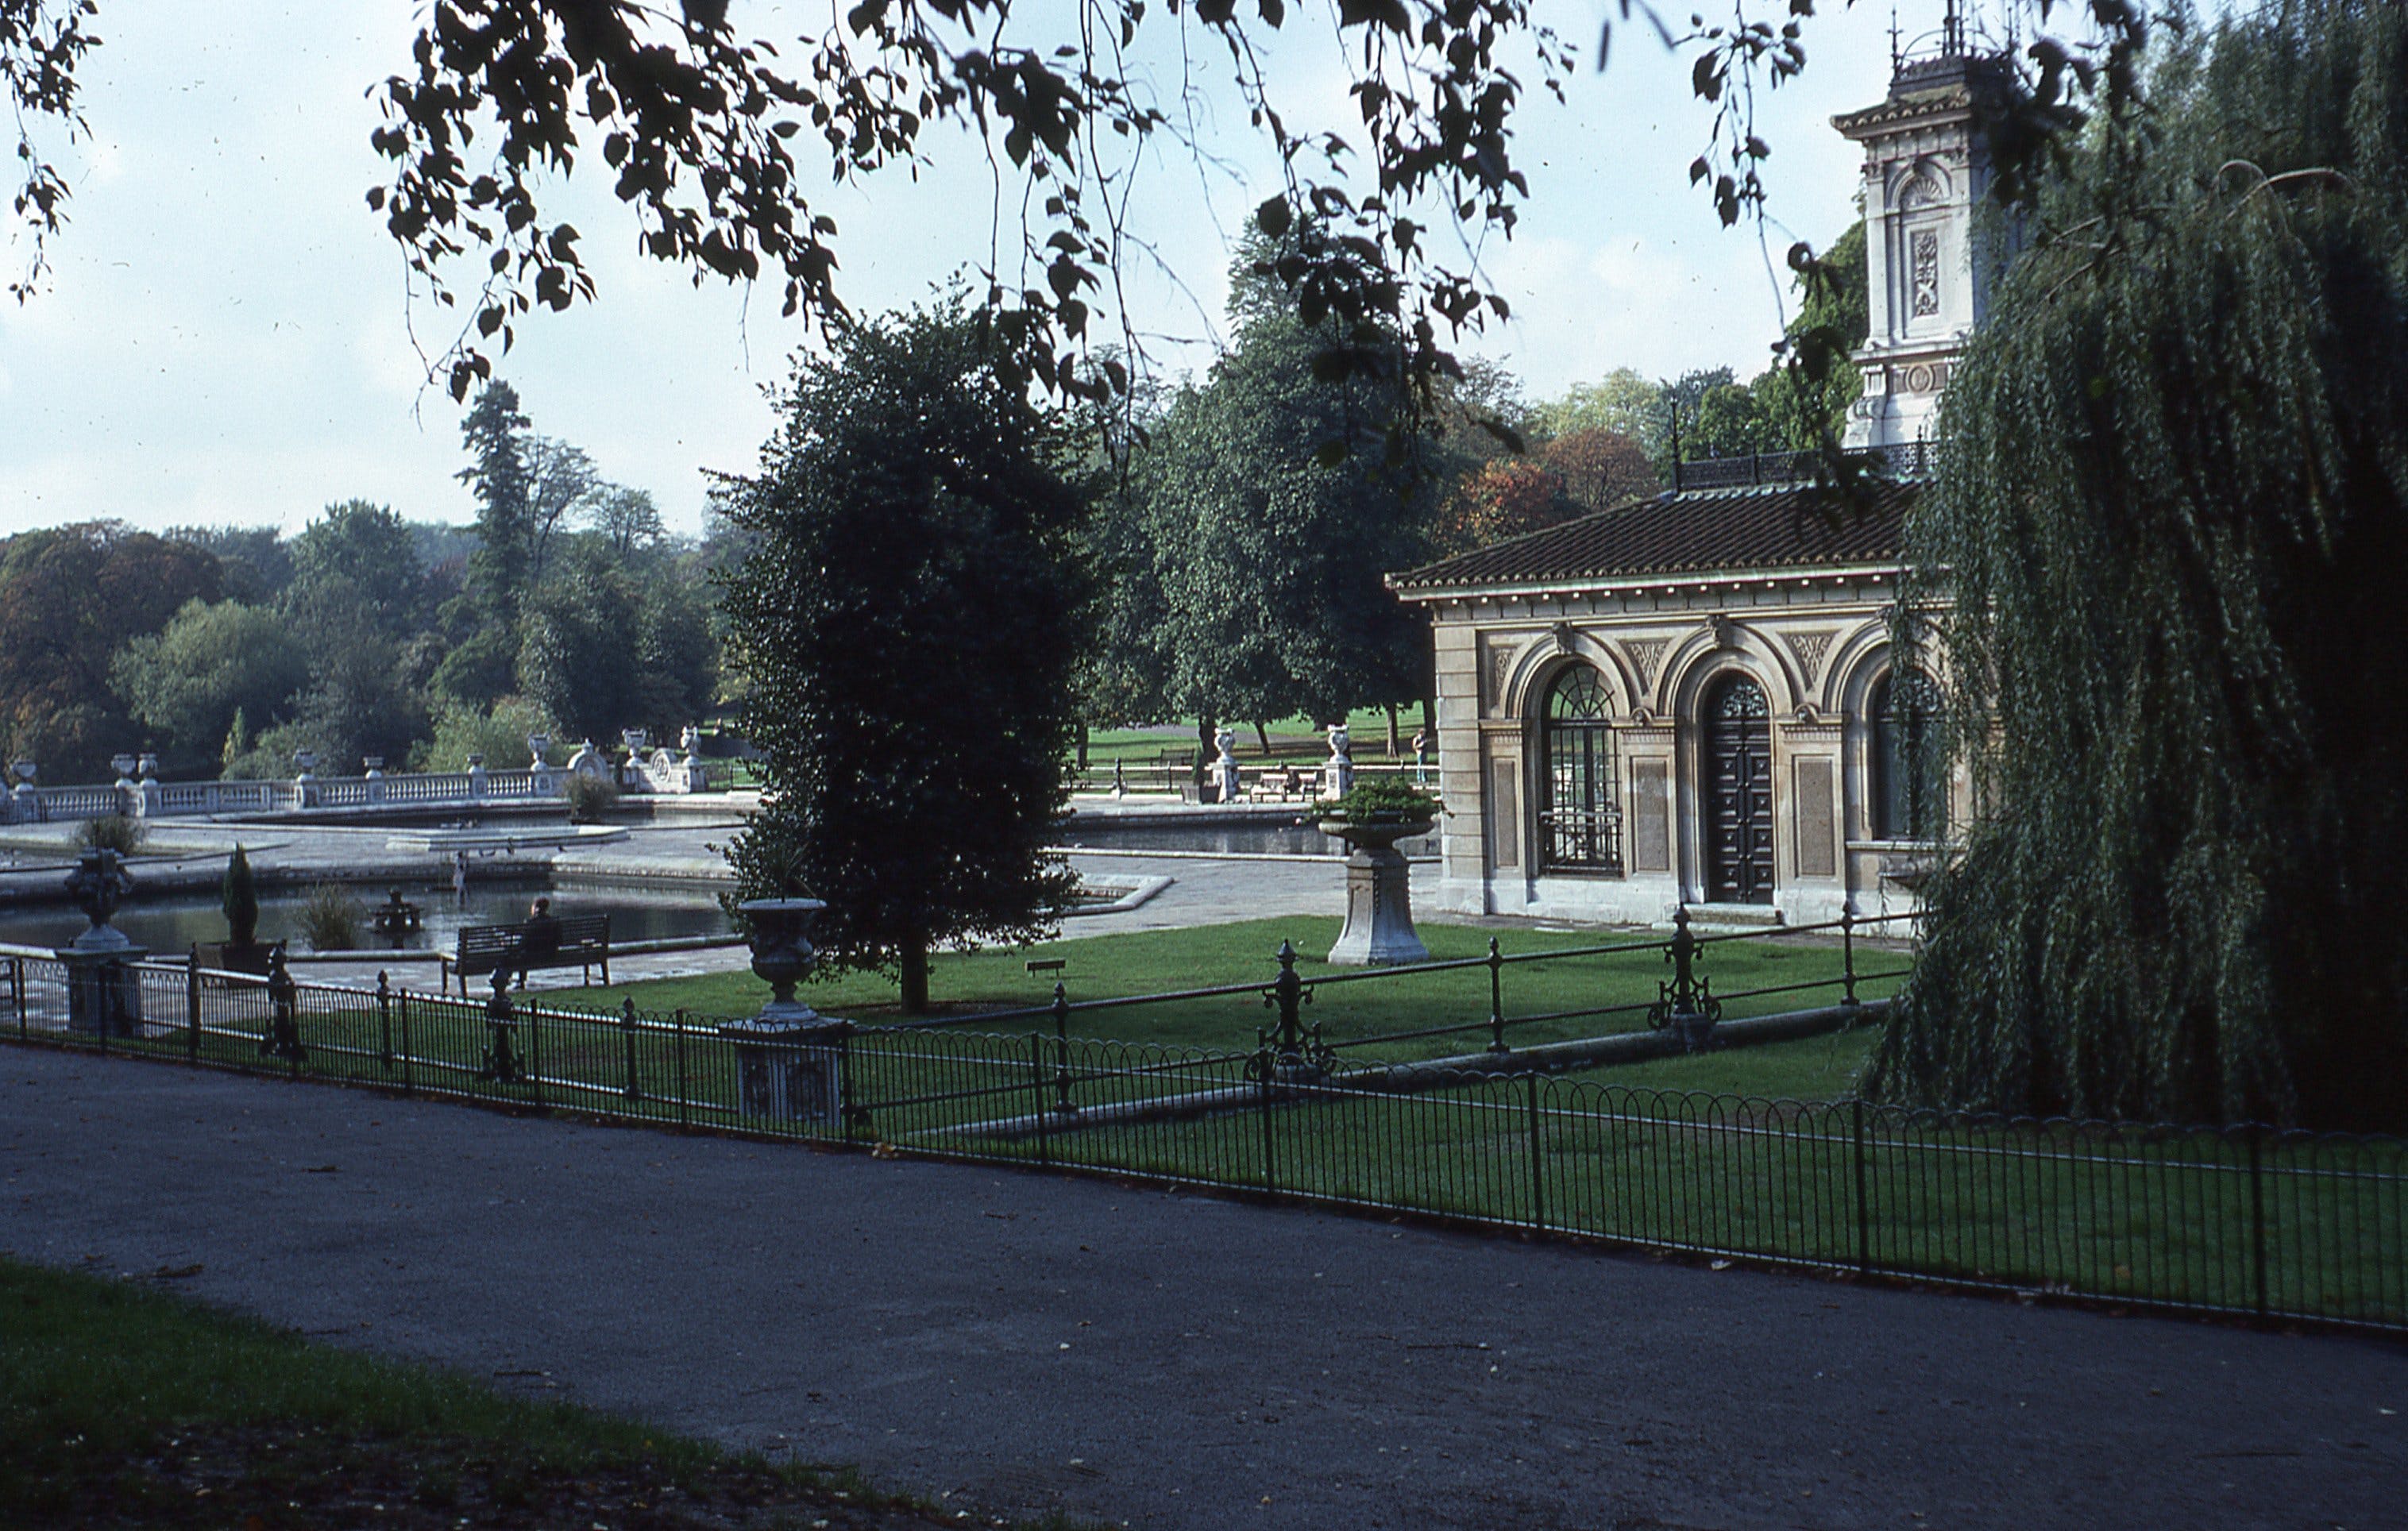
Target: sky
228,339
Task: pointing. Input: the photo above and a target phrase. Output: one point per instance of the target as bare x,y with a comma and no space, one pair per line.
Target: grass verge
125,1406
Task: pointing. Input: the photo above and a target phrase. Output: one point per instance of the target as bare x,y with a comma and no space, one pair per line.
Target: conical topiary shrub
238,895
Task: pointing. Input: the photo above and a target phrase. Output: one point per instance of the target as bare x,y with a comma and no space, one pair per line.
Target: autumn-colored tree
1503,497
1599,467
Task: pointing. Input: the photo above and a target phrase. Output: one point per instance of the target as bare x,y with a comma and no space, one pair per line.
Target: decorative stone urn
789,1059
1379,930
1338,772
25,805
103,991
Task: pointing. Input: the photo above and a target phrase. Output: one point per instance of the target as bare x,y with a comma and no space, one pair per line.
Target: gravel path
1021,1342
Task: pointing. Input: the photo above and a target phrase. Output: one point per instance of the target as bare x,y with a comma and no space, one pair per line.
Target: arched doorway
1737,779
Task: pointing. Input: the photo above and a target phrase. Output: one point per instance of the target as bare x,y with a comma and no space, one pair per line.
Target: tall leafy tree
209,667
579,658
1622,401
1503,497
70,597
2171,514
907,620
1806,406
677,652
503,482
1598,467
254,562
1274,497
358,564
625,518
357,599
561,479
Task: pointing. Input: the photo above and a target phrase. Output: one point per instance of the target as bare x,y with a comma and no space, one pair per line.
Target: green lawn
1580,996
125,1406
1368,727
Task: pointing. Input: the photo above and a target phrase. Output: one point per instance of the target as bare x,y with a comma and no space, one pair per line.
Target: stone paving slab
1023,1342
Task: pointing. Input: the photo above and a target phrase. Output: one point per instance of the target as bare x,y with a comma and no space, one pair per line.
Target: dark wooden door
1739,793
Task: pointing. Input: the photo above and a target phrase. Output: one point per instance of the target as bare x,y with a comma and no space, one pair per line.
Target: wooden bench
584,942
1271,785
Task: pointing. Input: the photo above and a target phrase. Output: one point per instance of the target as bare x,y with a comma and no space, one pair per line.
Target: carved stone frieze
1811,649
1645,655
1496,673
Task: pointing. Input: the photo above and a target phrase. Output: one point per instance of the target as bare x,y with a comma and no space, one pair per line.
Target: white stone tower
1927,175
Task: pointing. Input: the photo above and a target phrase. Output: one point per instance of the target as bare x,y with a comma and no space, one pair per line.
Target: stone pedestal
1225,766
103,991
1379,896
790,1058
790,1071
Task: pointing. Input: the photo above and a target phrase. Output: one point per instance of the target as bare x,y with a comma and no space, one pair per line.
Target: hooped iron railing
2244,1220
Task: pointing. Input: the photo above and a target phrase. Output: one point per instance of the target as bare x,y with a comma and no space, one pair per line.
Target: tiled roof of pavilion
1693,531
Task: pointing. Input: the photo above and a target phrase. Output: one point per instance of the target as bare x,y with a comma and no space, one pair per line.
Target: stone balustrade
661,771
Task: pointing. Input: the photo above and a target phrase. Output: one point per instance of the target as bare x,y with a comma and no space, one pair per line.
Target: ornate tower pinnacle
1926,173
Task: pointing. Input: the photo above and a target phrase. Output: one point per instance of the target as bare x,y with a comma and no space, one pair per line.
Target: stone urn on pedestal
789,1058
1379,931
104,989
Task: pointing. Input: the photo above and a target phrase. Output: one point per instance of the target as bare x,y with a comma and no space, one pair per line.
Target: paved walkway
1021,1342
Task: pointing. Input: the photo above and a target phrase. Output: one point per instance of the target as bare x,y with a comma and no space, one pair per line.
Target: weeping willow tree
2173,525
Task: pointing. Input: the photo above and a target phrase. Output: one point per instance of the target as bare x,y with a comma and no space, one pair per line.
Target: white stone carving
1925,244
1810,649
1645,656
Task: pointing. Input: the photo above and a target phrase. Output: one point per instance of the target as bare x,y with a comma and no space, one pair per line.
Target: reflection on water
171,923
1248,840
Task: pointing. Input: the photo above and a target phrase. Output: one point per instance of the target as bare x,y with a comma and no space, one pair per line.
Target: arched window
1580,820
1909,785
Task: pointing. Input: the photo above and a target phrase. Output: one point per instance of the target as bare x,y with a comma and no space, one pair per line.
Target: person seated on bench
539,941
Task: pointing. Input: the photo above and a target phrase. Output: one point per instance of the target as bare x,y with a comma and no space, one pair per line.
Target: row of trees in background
1244,524
943,580
1240,527
567,610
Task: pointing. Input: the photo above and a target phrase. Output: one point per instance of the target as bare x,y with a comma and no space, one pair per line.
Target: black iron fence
2239,1220
1685,995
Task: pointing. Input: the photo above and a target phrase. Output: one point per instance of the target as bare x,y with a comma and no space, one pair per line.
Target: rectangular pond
170,922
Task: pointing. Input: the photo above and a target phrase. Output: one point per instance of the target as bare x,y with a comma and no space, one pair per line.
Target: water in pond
1223,839
171,923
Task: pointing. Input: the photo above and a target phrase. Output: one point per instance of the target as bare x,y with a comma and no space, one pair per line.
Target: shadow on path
1024,1342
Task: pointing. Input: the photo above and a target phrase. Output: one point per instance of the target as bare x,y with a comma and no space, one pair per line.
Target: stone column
145,787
